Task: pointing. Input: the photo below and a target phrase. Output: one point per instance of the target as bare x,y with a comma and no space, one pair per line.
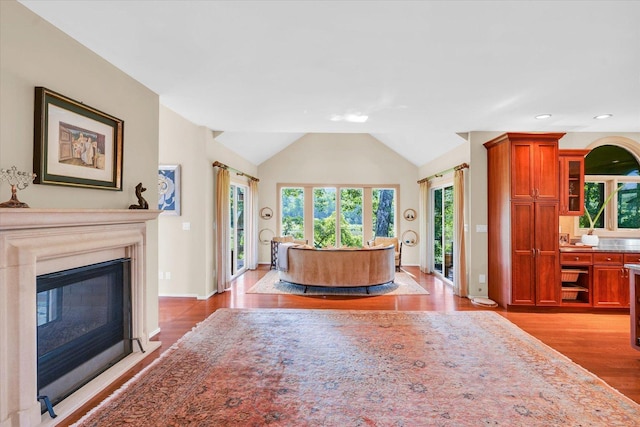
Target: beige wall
339,159
188,255
34,53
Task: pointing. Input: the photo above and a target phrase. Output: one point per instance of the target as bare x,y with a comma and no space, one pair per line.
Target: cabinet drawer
576,258
632,258
608,258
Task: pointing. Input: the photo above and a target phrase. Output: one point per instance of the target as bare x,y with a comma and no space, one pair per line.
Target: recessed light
603,116
543,116
350,117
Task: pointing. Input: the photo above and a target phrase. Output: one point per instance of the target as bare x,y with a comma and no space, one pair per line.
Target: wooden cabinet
534,167
610,280
605,277
523,202
572,181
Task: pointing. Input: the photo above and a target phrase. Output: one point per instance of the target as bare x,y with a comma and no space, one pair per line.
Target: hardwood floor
597,341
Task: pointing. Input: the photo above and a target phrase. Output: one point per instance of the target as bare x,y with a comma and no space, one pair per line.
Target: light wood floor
598,342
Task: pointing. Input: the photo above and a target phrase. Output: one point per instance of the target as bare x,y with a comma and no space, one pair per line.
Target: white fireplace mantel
40,241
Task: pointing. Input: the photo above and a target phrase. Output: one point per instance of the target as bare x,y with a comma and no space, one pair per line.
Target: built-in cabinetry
600,279
572,181
523,209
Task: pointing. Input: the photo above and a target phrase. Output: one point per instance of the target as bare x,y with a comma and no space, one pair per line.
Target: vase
590,239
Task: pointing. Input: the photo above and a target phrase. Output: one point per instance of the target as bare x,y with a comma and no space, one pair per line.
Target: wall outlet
481,228
167,275
186,226
482,278
160,275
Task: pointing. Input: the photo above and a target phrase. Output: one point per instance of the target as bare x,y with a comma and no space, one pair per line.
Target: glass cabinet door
572,182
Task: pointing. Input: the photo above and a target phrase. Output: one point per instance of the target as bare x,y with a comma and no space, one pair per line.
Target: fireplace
37,248
84,326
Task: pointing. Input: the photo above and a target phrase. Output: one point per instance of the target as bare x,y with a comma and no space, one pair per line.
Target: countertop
606,245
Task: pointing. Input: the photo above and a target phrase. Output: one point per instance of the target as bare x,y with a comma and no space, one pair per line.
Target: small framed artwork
169,189
266,213
74,144
409,214
564,239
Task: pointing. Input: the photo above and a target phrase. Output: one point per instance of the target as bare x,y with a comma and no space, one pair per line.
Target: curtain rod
217,164
438,175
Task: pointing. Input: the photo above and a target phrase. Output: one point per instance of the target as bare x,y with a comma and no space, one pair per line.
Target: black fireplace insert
84,325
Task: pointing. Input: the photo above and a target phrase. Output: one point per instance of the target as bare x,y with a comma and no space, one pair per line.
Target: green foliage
324,231
293,212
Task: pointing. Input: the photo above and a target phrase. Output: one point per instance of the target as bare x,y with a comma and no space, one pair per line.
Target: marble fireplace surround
40,241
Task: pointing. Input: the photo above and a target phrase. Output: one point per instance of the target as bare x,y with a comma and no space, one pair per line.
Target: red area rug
372,368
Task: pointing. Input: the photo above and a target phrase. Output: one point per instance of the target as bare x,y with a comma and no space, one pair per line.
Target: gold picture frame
74,144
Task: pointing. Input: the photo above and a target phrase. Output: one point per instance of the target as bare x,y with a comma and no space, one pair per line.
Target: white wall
34,53
339,159
188,255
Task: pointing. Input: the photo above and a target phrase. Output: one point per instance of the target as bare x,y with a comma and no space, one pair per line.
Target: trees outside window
324,217
351,217
443,217
338,213
384,202
292,208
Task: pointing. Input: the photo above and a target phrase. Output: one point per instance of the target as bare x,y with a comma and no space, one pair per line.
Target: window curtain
252,232
460,286
223,273
423,215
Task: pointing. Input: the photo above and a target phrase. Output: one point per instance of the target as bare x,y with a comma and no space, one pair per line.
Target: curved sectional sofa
347,267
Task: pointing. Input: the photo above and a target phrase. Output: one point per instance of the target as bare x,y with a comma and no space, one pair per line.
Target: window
324,217
337,215
608,167
292,208
384,207
351,217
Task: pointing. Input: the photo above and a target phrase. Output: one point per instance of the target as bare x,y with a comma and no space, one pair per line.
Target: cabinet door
522,253
572,182
545,171
610,286
534,170
548,289
522,184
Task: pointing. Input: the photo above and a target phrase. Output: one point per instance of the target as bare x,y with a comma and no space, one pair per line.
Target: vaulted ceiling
267,72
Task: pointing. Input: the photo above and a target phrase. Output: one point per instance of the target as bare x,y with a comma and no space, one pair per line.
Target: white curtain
460,286
223,272
252,229
423,215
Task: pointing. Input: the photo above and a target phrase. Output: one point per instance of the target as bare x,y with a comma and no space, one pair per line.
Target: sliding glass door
442,220
237,217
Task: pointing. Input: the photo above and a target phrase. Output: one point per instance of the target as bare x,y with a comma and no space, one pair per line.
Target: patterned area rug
349,368
402,285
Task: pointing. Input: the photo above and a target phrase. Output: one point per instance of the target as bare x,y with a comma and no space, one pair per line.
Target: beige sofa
348,267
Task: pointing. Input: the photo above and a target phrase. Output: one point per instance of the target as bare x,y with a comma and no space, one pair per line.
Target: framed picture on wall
169,189
74,144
